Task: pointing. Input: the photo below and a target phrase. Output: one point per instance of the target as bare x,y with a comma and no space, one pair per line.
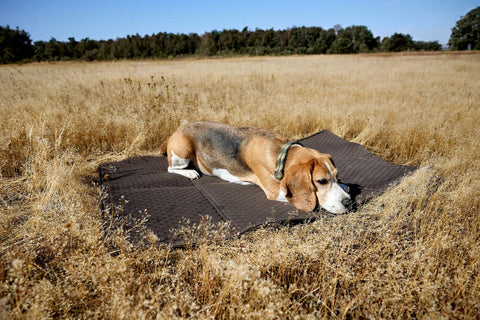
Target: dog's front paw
191,174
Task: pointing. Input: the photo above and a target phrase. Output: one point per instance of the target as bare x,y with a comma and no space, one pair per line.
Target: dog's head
310,181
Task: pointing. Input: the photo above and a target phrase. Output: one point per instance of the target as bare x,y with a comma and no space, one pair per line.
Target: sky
424,20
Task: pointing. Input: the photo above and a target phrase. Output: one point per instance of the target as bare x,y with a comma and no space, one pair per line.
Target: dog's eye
323,181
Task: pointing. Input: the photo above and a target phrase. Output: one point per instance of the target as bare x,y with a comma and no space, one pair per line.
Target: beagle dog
286,171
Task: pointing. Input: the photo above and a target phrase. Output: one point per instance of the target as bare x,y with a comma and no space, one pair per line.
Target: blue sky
424,20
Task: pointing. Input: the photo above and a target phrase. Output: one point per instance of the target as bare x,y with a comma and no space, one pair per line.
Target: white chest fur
224,174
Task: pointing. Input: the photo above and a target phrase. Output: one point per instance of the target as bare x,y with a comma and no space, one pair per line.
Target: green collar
281,159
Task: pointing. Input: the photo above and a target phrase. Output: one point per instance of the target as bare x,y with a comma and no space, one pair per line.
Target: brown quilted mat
168,198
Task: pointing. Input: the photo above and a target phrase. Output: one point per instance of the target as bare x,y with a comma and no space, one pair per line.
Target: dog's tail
163,147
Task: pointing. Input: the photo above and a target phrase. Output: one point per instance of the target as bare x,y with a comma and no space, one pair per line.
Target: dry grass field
413,252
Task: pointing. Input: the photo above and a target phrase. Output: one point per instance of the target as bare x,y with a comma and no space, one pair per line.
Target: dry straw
411,253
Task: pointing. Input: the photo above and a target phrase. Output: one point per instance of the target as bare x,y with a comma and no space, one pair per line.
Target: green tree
71,47
51,50
398,42
354,39
324,41
228,41
466,33
105,50
39,51
342,44
15,45
301,38
208,44
281,37
88,49
362,39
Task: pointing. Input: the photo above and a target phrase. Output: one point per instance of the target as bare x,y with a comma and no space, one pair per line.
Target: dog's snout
346,202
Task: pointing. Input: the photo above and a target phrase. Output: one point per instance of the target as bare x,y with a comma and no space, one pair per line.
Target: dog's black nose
347,203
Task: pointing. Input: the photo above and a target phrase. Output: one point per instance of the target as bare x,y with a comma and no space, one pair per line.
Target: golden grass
413,252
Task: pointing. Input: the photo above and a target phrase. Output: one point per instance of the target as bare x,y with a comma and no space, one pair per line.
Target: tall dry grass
411,253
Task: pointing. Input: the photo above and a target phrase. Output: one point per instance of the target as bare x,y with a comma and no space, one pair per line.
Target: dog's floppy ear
299,187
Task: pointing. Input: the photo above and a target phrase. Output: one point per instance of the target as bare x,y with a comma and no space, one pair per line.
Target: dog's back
218,145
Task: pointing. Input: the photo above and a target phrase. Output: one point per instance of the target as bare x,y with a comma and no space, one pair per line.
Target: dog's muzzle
347,203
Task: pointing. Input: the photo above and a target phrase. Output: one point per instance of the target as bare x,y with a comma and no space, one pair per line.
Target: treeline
16,44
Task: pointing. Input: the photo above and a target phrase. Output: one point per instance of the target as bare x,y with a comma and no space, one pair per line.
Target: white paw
191,174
